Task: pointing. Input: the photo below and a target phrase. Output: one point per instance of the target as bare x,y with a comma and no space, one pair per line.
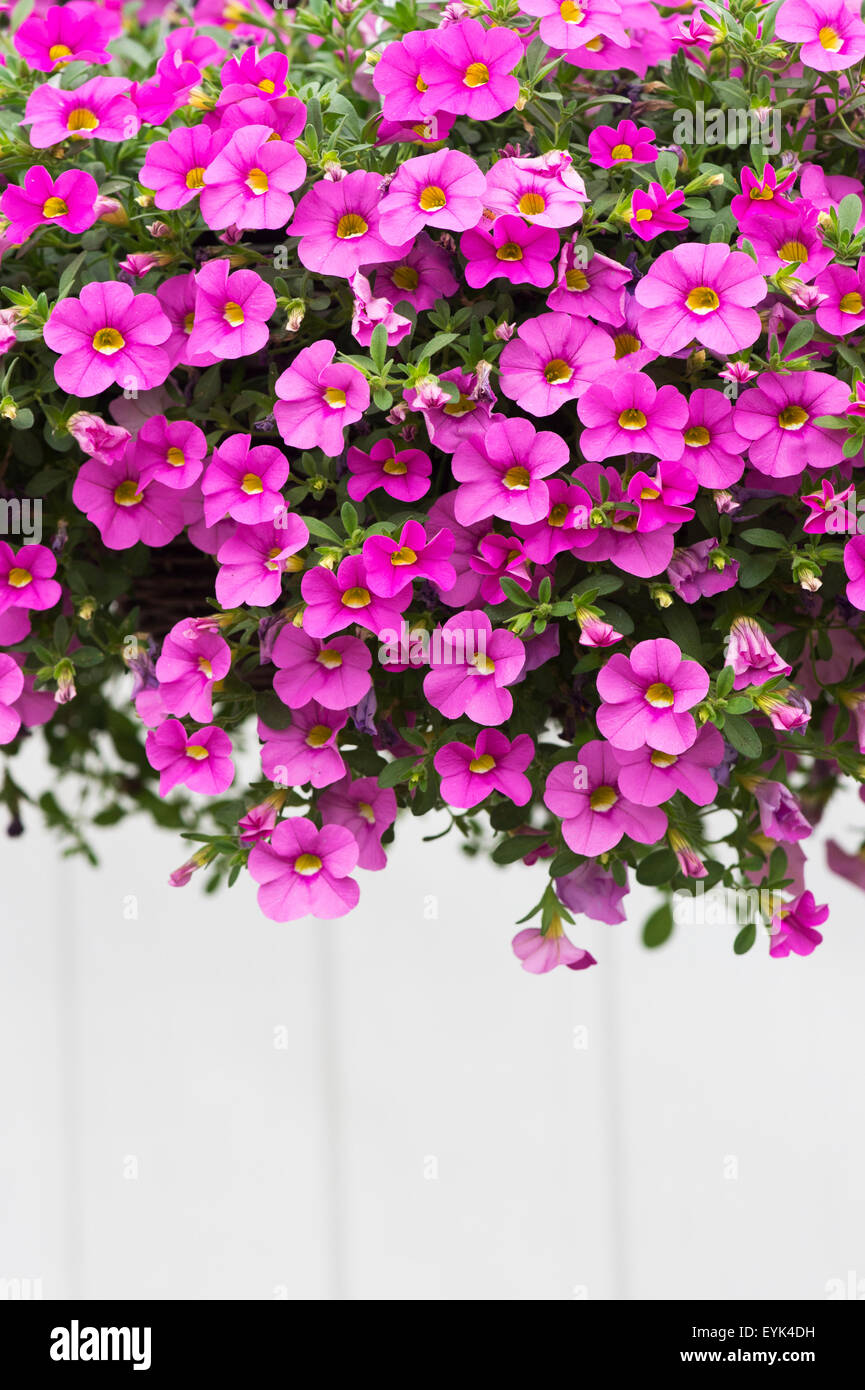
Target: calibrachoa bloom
305,752
334,671
108,336
404,475
304,872
648,695
341,598
650,777
75,33
169,451
540,953
842,308
625,143
831,34
779,415
494,764
714,449
27,578
468,70
390,564
545,191
250,181
11,685
100,109
174,168
338,226
444,189
192,660
501,473
594,811
567,24
632,415
472,667
244,482
253,560
420,276
69,201
200,760
318,398
231,311
509,249
553,359
364,808
752,656
653,212
590,288
701,292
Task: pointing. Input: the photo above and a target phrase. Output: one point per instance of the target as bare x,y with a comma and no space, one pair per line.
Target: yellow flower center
829,39
484,665
351,224
365,810
233,314
632,419
175,457
127,494
252,484
307,864
793,251
476,75
621,152
577,280
272,561
462,406
659,695
557,372
792,417
335,398
763,195
596,44
571,13
189,321
420,85
265,85
197,751
356,598
697,437
625,344
256,181
531,205
395,468
405,277
559,515
108,341
58,51
485,763
81,119
404,556
517,479
432,198
603,799
205,667
329,659
54,207
663,759
509,251
319,735
851,303
20,578
195,177
643,215
702,300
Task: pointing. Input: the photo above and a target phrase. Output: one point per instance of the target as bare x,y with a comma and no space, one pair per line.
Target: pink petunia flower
644,553
27,578
854,568
589,289
304,872
96,438
502,472
62,34
405,476
843,308
594,811
509,249
248,74
751,654
334,671
703,292
757,192
258,824
254,558
450,421
794,927
545,190
777,416
336,600
305,752
714,449
390,564
653,212
420,276
169,451
11,686
467,70
632,415
339,226
553,359
193,658
594,892
364,808
397,76
830,31
284,116
177,298
69,201
100,109
494,764
231,311
200,761
794,240
781,815
108,336
444,189
827,508
318,398
250,181
113,496
649,777
563,527
368,313
693,574
244,482
471,668
625,143
540,953
500,557
646,697
174,168
571,25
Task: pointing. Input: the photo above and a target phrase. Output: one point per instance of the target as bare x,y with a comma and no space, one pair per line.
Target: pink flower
444,189
541,953
368,313
254,558
632,415
338,600
250,182
794,927
546,191
644,553
69,201
781,815
449,421
397,77
625,143
789,240
467,70
108,336
285,116
653,212
596,633
339,226
594,892
509,249
318,398
646,697
827,508
258,824
62,34
100,109
854,567
244,482
304,872
106,443
248,75
777,416
649,777
693,575
390,564
200,761
405,476
307,751
495,764
499,557
843,308
594,290
113,496
831,34
714,448
420,276
177,298
758,192
553,359
751,655
174,168
701,291
364,808
192,659
169,451
27,578
471,668
501,473
11,686
594,811
563,527
570,25
335,672
231,311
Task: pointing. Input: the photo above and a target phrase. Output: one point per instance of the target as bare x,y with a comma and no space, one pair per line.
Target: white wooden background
202,1103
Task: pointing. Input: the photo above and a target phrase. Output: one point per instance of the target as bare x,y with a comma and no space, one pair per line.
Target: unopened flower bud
662,597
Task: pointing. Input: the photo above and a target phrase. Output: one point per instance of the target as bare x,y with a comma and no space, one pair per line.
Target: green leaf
724,682
398,771
800,334
514,848
378,347
658,928
849,213
754,569
515,593
756,535
682,627
348,517
743,736
658,867
321,529
746,938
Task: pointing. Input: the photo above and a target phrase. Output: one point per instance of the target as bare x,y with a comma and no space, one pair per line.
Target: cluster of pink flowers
644,378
